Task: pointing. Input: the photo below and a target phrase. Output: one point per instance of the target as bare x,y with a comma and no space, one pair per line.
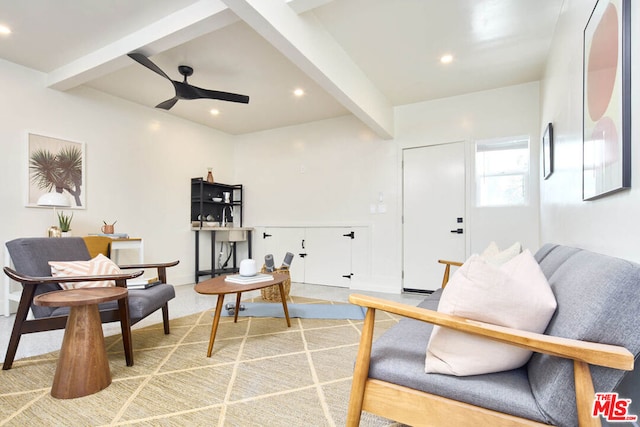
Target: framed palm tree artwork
56,166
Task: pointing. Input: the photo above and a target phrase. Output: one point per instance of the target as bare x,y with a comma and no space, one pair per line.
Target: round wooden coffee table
83,367
218,286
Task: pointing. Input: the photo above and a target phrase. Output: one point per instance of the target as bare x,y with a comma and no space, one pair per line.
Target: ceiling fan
183,89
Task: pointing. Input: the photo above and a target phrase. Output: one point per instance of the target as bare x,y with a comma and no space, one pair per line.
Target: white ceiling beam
301,6
193,21
307,44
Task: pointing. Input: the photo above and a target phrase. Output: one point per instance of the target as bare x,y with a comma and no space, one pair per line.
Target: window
502,172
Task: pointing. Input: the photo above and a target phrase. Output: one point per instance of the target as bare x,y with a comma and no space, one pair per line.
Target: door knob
457,231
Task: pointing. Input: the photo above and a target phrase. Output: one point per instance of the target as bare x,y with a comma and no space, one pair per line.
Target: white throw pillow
98,266
493,255
516,295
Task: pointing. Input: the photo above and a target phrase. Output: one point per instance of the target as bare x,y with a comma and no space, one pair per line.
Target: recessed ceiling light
154,125
214,112
446,59
4,29
298,92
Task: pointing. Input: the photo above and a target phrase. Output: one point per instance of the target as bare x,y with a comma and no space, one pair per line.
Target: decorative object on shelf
108,228
54,200
227,216
547,151
227,197
56,165
65,222
54,231
606,130
210,175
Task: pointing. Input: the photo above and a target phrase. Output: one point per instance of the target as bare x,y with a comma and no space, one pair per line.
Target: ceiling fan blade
166,105
215,94
183,89
143,60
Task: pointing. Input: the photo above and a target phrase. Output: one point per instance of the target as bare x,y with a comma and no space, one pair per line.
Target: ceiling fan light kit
183,89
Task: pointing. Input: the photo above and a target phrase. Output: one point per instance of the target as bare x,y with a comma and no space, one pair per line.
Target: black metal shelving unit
204,209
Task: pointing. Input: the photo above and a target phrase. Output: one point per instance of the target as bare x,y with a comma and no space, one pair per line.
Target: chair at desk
98,245
31,258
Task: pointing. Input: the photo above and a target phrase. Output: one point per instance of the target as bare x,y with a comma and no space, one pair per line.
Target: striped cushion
98,266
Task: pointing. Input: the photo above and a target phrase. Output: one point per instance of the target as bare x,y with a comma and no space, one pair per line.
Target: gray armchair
30,257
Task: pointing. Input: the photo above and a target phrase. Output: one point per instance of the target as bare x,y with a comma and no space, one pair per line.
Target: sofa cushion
551,256
493,255
514,295
142,302
398,357
98,266
598,298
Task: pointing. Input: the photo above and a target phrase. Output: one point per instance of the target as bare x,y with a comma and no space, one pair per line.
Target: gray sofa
598,300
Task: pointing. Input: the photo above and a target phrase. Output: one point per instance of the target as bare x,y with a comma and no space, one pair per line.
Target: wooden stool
83,367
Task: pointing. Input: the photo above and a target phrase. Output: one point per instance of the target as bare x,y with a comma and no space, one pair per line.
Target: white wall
330,172
505,112
325,173
139,162
607,225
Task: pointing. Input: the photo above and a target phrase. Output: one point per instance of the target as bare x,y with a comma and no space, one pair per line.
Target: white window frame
499,144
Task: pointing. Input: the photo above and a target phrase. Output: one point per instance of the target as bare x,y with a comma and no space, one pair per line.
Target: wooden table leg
83,367
214,325
125,327
237,309
283,297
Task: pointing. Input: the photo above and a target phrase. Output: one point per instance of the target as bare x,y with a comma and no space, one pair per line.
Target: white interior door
433,212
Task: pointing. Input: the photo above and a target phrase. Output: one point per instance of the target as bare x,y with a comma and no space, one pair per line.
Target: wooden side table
218,286
83,367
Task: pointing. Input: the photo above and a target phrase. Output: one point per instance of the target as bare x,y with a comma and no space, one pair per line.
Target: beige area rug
261,373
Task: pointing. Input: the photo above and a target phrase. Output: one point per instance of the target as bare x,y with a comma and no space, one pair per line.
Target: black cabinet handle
352,235
265,235
457,231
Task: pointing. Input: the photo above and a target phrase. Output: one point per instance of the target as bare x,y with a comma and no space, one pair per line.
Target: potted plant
65,222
